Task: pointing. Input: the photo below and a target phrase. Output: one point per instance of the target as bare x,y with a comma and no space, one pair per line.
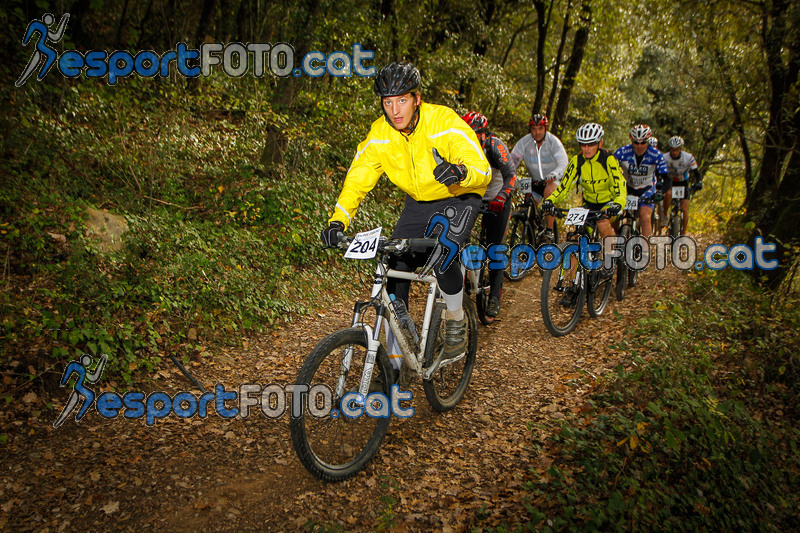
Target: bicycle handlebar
560,212
393,246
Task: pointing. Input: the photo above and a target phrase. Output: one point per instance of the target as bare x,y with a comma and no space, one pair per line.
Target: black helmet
396,79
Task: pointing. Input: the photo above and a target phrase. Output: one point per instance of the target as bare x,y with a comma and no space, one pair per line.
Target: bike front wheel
520,232
449,383
622,266
633,274
336,445
597,298
561,302
675,225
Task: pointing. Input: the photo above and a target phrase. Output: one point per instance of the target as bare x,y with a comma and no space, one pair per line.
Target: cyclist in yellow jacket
433,156
601,178
602,182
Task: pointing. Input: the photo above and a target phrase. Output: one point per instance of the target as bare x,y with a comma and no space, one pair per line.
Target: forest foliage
226,182
207,170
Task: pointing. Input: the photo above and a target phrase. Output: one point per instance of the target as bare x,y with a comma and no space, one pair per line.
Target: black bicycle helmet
396,79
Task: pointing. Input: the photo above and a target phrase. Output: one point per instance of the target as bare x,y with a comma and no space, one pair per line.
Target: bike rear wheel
331,446
449,383
520,232
561,302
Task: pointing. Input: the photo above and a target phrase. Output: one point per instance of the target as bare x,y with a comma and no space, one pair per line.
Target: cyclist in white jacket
545,159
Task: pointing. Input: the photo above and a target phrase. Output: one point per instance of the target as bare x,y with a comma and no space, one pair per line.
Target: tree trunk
205,22
541,23
121,26
79,13
775,198
286,90
774,34
387,11
573,67
557,65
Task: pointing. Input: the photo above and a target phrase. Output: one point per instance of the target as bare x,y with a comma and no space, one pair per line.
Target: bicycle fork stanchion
373,344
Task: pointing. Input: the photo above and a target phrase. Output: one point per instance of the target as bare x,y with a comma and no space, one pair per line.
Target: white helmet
653,142
589,133
675,142
640,133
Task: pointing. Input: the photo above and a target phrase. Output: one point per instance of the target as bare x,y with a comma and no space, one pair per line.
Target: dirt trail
434,471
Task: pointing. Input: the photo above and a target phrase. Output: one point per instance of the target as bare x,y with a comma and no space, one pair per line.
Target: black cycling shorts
461,212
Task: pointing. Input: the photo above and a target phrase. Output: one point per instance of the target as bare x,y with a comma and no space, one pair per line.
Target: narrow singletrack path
443,471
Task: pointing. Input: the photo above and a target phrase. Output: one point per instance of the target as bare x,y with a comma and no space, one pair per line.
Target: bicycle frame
379,299
530,214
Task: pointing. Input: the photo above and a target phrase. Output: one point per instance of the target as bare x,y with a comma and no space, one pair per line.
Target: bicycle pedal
440,364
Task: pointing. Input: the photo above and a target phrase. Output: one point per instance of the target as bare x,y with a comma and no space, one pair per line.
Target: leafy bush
685,437
218,245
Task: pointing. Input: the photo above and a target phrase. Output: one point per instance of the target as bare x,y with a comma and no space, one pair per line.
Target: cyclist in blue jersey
645,171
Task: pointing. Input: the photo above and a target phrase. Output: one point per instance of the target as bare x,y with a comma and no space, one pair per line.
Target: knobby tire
559,319
448,385
334,448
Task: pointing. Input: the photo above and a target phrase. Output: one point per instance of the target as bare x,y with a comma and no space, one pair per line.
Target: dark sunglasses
587,144
639,142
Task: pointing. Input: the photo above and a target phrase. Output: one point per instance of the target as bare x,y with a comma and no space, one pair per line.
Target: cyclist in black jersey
497,195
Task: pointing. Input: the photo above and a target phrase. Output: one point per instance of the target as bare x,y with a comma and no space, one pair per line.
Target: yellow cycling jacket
599,185
408,160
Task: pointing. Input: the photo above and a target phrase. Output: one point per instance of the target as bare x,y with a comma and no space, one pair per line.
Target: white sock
454,310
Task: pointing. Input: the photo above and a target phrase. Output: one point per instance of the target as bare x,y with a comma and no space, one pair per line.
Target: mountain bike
477,282
526,226
566,287
628,227
676,225
353,364
655,219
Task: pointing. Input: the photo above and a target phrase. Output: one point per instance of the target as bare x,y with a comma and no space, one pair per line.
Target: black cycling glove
612,209
332,234
447,173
